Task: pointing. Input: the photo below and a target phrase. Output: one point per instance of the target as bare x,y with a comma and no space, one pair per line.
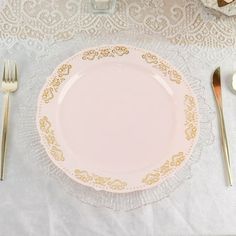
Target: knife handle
225,147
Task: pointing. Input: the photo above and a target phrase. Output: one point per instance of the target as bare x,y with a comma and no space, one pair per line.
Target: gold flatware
222,3
234,82
9,85
216,85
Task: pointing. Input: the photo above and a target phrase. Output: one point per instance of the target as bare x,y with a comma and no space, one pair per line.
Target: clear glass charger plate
43,67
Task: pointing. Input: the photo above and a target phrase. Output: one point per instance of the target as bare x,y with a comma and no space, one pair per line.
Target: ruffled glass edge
30,140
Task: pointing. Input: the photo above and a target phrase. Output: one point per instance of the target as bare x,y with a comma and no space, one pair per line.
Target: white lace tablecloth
182,22
39,35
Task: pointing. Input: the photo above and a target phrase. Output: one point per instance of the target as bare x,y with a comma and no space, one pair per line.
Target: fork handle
4,133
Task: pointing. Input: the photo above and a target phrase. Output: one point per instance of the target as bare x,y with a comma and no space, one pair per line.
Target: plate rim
118,187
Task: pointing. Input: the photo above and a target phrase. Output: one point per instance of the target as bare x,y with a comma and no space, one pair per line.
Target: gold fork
9,85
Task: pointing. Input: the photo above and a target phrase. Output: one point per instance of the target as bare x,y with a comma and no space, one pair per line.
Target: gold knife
216,85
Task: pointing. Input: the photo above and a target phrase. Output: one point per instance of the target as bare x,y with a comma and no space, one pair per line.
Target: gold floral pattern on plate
52,88
108,182
156,175
105,52
191,117
113,184
48,134
163,67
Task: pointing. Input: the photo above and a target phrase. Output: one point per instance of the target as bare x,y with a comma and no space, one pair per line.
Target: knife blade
222,3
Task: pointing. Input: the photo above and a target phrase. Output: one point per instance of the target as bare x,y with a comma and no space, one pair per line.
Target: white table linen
34,203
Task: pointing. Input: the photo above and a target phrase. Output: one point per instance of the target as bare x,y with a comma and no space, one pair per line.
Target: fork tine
15,74
7,71
4,72
12,72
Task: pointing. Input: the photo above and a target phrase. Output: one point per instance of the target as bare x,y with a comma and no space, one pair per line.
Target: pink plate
117,118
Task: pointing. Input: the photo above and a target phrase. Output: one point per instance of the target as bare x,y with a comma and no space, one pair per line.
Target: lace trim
183,22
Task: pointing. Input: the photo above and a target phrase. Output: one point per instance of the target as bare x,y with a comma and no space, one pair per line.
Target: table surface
33,203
